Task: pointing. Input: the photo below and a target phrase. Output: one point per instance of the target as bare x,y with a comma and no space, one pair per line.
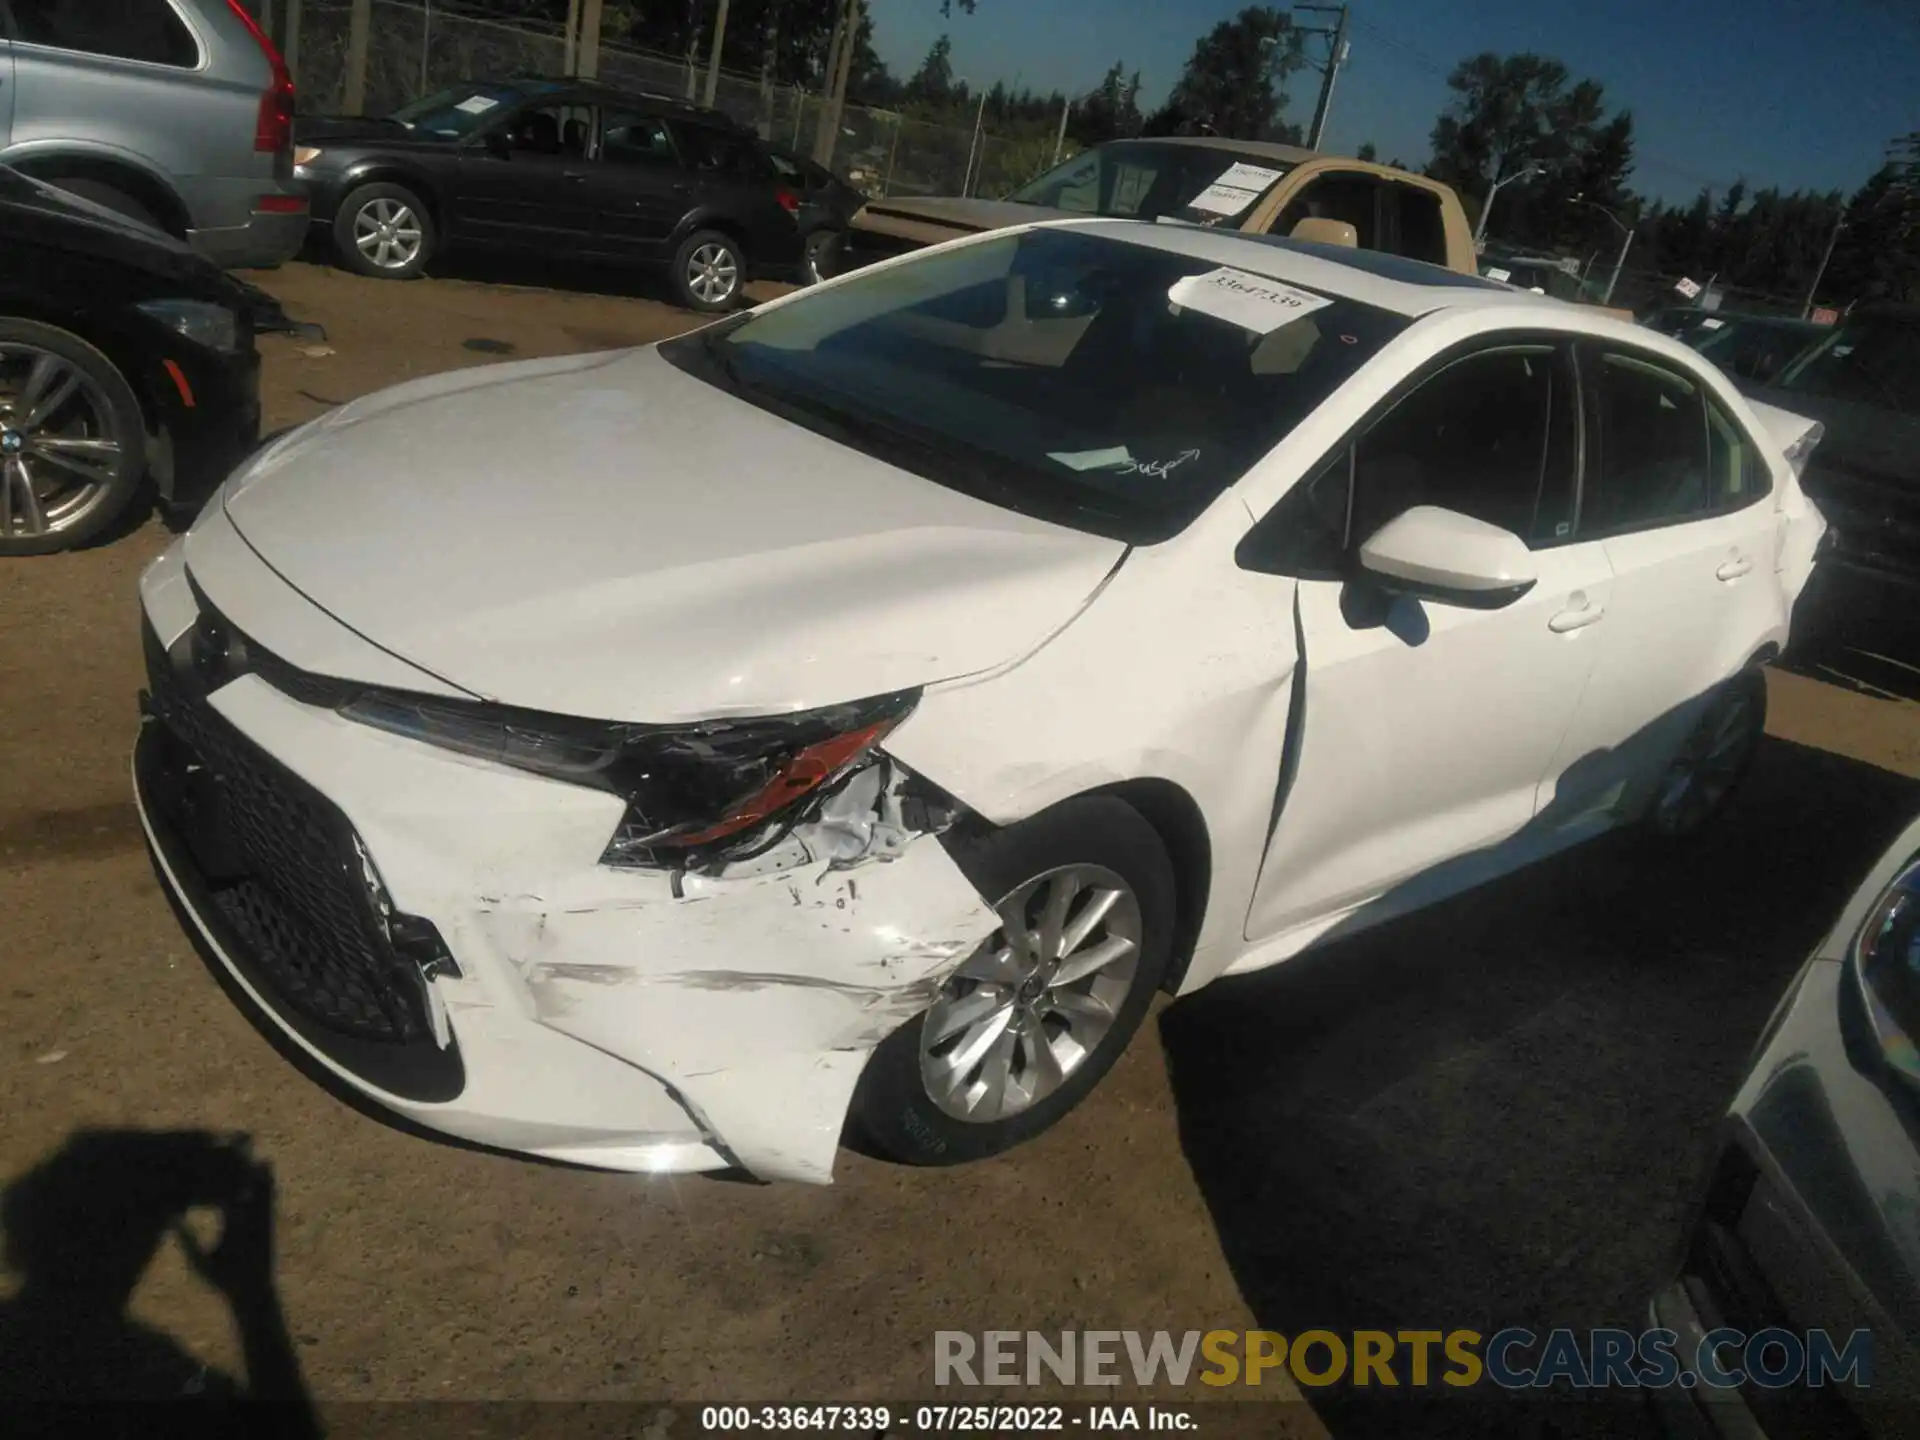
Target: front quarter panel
1179,670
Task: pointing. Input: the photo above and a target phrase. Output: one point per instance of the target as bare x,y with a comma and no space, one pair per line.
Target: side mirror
1442,555
1326,232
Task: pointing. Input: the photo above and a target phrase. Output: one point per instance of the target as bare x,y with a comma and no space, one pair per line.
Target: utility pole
1060,139
1806,310
1336,57
571,54
290,42
353,100
588,56
826,134
979,120
1486,208
713,56
426,44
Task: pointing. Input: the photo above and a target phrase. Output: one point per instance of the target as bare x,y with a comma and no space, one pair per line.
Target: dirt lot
1491,1113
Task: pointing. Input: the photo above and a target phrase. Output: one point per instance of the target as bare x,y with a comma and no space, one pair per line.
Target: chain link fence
413,50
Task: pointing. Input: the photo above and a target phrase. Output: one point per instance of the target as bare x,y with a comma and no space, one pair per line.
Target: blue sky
1787,92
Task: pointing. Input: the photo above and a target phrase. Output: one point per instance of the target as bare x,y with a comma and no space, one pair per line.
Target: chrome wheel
58,458
1031,1005
713,274
1708,764
388,233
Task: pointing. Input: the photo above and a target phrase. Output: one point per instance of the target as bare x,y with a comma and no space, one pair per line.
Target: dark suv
1863,384
553,168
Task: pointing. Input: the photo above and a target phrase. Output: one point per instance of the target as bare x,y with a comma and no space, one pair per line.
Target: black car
553,168
122,353
1756,348
829,204
1862,383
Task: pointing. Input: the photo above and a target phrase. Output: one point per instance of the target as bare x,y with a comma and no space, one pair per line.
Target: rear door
735,181
523,183
642,187
1681,497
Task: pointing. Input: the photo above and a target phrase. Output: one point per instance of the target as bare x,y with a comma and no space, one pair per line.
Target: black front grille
282,867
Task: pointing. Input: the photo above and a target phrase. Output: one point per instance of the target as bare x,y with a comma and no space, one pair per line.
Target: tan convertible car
1247,185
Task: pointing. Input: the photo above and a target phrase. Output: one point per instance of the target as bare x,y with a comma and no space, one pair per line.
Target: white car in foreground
854,711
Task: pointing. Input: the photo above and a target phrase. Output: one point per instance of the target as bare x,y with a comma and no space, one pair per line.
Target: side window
1474,438
630,139
556,130
1652,464
720,152
1349,197
1423,234
121,29
1737,473
1493,435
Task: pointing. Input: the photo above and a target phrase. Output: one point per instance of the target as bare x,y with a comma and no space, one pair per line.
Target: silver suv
175,112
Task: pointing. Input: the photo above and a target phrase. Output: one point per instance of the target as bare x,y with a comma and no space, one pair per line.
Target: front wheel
1714,758
709,271
384,230
1028,1023
73,441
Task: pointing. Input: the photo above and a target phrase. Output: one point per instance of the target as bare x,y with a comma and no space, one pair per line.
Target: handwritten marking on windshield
1159,469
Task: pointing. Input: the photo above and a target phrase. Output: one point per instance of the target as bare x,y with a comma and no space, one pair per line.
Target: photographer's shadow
81,1228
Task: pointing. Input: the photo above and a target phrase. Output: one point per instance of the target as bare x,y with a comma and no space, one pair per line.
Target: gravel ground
1492,1113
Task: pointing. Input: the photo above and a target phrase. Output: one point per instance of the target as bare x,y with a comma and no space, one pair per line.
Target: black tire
1739,707
385,203
821,250
708,252
894,1114
111,197
112,412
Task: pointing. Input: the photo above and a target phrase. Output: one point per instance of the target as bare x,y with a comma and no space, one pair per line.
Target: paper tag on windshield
1253,302
1093,459
477,104
1499,274
1711,324
1234,189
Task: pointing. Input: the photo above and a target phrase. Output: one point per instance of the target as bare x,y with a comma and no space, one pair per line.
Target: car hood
608,536
313,129
955,213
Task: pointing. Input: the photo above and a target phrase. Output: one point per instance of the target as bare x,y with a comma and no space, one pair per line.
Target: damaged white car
851,714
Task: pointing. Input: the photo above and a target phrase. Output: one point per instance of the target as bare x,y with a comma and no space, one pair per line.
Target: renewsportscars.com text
1514,1358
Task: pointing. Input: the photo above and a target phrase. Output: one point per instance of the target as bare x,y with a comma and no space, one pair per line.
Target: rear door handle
1576,619
1736,567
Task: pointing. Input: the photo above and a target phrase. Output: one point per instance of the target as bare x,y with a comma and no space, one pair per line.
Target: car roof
600,91
1270,149
1388,282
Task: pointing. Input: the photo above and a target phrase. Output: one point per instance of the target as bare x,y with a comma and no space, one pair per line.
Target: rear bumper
267,238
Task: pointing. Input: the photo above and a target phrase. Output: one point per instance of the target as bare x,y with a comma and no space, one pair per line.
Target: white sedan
846,717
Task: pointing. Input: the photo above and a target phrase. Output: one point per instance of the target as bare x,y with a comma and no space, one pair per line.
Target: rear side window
719,152
1652,465
630,139
1736,474
146,30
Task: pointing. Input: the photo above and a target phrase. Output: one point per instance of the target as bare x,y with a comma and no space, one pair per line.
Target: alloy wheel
1033,1003
713,274
1707,765
388,233
58,459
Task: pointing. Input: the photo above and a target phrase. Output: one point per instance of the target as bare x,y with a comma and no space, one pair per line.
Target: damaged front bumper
437,932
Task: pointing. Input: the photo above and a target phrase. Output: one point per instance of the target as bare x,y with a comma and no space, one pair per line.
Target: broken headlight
711,784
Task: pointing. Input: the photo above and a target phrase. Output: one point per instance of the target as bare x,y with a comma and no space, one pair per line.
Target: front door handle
1736,567
574,175
1576,619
